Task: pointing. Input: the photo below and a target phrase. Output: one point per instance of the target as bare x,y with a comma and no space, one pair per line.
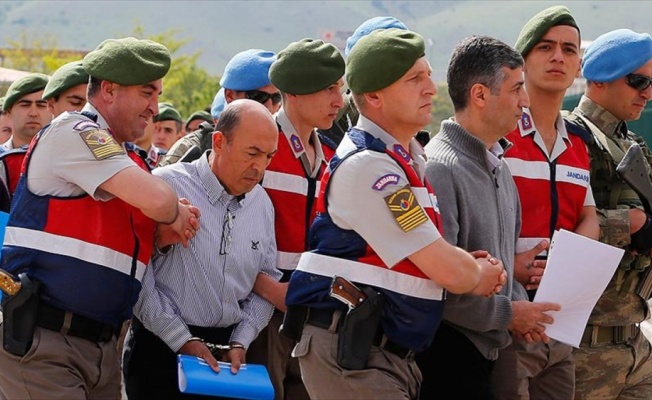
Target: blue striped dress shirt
210,283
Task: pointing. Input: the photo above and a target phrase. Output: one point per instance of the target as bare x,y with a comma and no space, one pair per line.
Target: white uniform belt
70,247
354,271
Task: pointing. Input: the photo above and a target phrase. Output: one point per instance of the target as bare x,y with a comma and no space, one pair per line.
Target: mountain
219,29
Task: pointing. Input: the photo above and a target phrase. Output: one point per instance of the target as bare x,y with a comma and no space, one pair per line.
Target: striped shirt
210,283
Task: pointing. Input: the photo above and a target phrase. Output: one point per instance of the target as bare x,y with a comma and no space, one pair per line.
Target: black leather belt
54,319
324,319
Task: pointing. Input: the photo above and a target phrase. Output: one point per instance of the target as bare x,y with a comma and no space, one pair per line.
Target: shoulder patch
85,125
405,208
383,181
101,143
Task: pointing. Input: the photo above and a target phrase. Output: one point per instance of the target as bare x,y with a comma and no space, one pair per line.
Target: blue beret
218,104
248,70
371,25
616,54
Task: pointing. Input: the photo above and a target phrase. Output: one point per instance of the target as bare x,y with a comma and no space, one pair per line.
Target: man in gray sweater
480,209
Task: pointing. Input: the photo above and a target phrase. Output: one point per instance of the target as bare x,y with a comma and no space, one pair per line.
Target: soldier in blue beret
246,76
614,358
86,218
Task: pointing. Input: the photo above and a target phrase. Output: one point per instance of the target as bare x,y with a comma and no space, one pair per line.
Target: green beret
306,67
66,77
22,87
128,61
203,115
541,23
166,112
381,58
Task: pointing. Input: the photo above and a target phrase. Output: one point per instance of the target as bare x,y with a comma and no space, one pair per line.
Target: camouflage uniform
613,361
201,138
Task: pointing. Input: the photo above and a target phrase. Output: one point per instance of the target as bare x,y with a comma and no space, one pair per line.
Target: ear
219,142
478,95
108,90
374,99
229,95
50,102
579,69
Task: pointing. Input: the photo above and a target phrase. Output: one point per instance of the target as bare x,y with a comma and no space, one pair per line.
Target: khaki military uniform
613,361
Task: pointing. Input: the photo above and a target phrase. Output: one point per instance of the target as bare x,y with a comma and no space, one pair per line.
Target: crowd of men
301,225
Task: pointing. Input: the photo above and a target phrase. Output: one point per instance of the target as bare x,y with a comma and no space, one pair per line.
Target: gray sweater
480,211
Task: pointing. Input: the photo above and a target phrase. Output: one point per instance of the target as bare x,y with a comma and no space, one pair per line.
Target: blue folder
197,377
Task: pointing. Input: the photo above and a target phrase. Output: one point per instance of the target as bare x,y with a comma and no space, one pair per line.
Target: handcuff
217,350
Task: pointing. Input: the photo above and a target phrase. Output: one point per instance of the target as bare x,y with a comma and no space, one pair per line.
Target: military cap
66,77
203,115
616,54
167,112
248,70
371,25
219,101
541,23
395,50
128,61
306,67
28,84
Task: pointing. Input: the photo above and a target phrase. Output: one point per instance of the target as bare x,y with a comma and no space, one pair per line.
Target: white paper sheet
577,272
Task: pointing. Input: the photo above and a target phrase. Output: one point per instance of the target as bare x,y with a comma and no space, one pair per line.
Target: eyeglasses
225,243
262,97
638,82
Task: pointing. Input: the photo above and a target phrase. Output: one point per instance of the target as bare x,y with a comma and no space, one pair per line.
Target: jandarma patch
85,125
101,144
383,181
405,208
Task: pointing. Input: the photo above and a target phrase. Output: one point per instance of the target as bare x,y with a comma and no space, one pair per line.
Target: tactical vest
414,303
89,255
623,302
293,195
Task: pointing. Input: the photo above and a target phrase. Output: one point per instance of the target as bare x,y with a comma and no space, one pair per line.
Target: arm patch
407,212
101,144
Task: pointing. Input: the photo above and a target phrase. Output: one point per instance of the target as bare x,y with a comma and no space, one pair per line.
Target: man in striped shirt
204,293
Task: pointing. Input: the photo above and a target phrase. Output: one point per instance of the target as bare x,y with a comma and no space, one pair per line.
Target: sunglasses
638,82
262,97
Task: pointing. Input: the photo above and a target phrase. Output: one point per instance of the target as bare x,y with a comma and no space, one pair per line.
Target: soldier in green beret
169,127
66,89
86,219
376,227
27,110
309,75
550,45
196,118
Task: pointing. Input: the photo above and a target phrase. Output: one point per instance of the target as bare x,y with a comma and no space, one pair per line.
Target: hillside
222,28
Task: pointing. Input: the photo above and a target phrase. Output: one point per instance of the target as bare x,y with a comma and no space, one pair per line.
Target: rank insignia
297,146
400,150
526,122
405,208
101,144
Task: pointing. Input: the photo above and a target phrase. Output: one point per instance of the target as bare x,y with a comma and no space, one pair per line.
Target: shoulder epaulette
576,128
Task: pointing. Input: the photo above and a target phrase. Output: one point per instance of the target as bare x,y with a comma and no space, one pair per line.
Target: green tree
187,86
36,54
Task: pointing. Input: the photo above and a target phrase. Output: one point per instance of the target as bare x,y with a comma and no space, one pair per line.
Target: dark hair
93,86
479,59
228,122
